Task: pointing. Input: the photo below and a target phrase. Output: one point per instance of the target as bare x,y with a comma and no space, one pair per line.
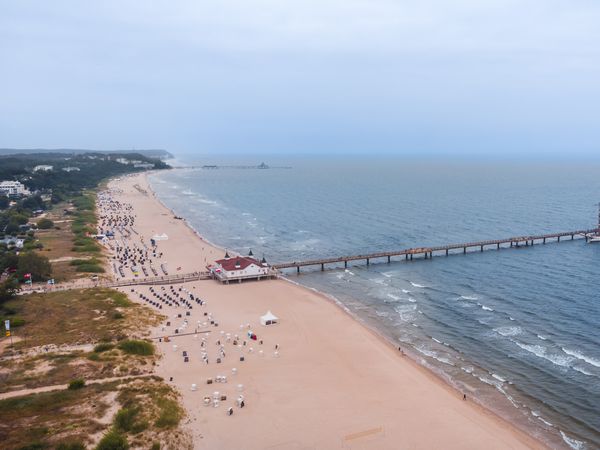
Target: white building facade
240,268
13,188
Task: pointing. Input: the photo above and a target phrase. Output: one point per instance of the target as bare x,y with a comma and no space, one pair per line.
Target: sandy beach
319,380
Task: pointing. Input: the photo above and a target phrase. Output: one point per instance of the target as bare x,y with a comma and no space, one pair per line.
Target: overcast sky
340,76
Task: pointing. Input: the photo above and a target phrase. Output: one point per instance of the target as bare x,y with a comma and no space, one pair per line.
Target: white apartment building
13,188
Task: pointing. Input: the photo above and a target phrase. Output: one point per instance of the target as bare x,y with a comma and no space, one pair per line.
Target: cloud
331,74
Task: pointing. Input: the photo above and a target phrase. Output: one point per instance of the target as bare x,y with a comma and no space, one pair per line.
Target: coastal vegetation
75,317
86,417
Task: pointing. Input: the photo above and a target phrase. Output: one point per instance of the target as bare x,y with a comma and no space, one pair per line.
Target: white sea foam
486,380
486,308
348,272
511,318
412,300
542,352
439,342
393,297
508,331
405,291
499,378
573,443
417,285
434,355
382,313
467,369
206,201
468,297
588,359
387,274
537,415
543,338
583,371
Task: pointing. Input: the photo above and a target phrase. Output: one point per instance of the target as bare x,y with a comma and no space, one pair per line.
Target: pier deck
428,252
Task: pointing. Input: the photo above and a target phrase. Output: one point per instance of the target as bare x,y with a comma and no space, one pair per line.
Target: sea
516,329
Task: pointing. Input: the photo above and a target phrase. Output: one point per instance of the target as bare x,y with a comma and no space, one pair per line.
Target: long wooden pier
428,252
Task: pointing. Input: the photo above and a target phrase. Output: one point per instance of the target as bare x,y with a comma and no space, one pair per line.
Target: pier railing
428,252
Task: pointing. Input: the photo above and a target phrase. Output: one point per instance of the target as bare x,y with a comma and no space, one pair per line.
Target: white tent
269,318
160,237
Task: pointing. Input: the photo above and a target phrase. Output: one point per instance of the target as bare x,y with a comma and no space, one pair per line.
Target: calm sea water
516,329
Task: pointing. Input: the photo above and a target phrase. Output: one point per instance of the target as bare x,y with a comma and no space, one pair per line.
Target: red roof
237,263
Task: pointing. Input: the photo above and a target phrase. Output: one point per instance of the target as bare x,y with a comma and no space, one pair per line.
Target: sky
433,77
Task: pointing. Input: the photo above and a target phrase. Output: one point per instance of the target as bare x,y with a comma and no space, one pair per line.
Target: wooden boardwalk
151,281
428,252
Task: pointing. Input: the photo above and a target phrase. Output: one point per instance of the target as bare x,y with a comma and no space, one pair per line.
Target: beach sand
333,384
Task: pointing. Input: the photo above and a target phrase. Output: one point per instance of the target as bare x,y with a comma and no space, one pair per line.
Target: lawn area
68,240
133,410
76,317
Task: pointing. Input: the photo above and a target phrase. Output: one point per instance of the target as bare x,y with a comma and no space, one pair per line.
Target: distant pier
429,252
261,166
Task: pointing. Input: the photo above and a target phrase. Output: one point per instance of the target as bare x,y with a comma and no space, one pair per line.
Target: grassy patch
137,347
68,419
103,347
42,419
76,317
170,413
78,383
113,440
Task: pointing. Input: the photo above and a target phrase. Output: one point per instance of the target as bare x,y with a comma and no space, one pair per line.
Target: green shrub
170,413
103,347
45,224
94,357
125,418
137,347
155,446
77,383
113,440
117,315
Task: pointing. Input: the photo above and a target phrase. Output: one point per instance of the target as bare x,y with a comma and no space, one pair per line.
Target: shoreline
411,355
424,372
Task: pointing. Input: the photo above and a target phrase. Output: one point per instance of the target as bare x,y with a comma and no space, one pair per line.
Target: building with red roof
238,268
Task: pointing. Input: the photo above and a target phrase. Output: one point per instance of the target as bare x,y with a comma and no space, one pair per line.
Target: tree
45,224
8,289
4,202
8,260
37,265
12,228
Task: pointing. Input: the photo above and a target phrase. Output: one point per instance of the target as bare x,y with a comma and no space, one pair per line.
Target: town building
13,188
238,268
142,165
13,242
71,169
43,168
